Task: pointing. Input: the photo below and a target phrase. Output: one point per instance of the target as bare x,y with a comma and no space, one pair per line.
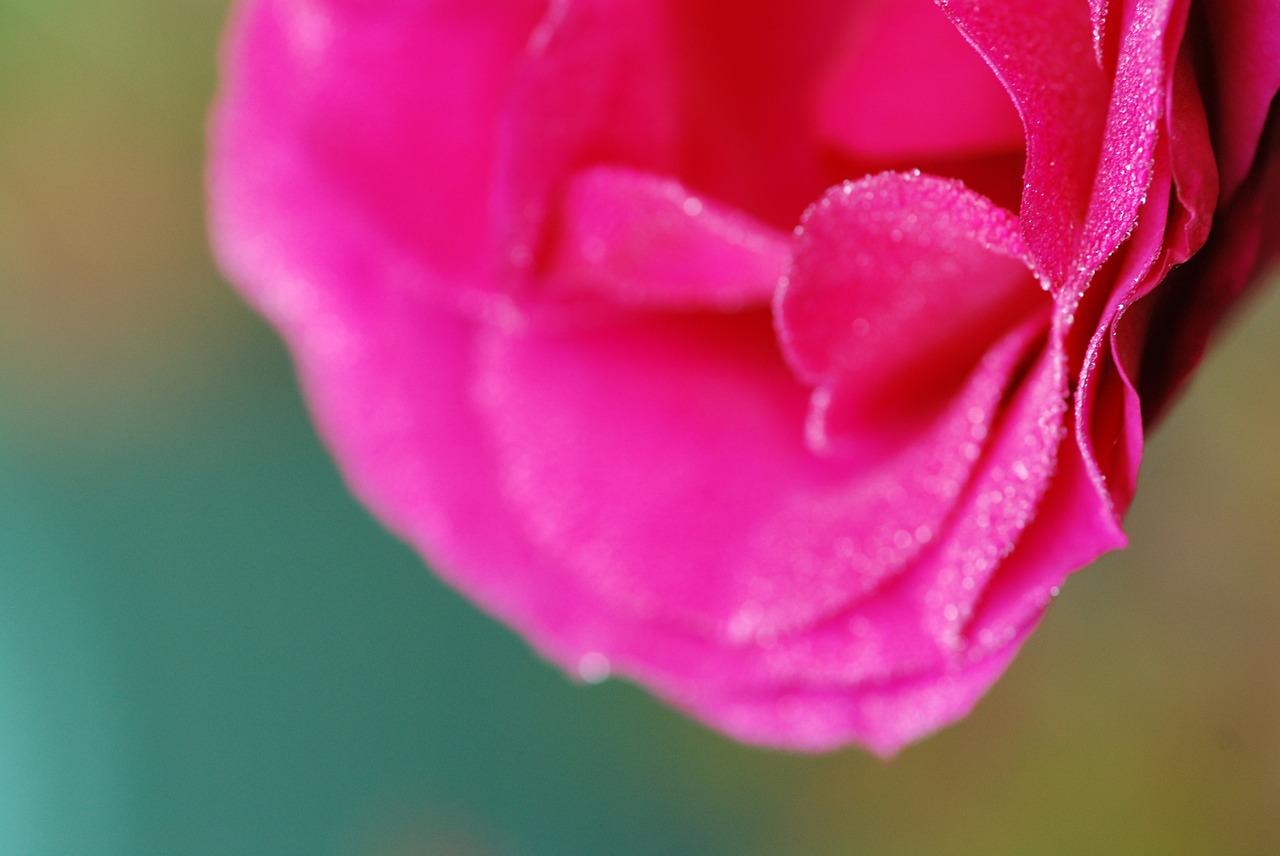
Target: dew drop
594,667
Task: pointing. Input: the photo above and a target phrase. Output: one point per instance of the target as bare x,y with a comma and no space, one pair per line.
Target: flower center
780,102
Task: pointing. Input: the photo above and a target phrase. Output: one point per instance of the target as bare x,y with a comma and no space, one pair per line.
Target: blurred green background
207,648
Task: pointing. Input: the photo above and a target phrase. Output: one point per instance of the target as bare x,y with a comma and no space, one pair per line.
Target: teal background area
207,647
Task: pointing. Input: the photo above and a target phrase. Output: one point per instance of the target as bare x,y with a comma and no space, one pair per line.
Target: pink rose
784,358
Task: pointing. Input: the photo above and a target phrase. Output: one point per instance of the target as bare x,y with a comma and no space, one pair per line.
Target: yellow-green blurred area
206,647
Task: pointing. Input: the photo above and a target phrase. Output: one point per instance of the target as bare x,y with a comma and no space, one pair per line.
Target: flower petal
900,282
1089,139
637,239
1245,39
909,87
883,717
1042,51
312,130
596,85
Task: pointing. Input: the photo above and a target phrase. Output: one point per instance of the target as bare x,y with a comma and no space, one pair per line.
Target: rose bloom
781,357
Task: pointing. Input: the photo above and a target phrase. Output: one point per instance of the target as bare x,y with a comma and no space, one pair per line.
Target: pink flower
784,358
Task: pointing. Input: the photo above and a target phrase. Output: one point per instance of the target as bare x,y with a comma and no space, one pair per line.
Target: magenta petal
1139,91
313,129
1003,498
899,284
1171,227
639,448
1072,527
1245,36
523,253
657,444
1090,143
1108,417
596,85
746,75
911,87
1195,171
883,717
1034,46
637,239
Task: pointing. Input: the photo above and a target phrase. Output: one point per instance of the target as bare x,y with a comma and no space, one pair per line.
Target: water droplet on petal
594,667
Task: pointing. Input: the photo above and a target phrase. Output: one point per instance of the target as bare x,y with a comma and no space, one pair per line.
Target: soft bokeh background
207,648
